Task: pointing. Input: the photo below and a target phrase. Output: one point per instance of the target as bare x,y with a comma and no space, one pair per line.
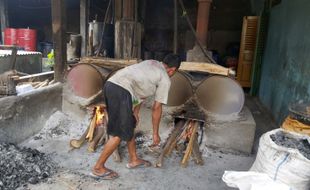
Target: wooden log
51,82
198,67
196,153
204,68
91,130
99,132
189,147
74,143
174,134
41,84
172,146
109,63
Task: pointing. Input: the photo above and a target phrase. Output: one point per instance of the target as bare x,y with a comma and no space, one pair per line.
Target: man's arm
156,116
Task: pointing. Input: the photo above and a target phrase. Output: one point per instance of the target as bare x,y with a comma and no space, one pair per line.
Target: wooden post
59,38
118,10
84,8
175,28
203,20
4,19
128,10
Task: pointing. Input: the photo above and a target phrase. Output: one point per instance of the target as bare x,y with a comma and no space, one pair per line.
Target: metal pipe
220,95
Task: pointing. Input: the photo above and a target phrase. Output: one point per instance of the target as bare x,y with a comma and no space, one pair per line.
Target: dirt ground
75,165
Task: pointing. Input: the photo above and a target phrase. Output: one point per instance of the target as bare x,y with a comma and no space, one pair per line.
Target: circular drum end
180,90
220,95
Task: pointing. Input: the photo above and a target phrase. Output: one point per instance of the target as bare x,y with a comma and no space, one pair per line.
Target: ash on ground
283,139
20,166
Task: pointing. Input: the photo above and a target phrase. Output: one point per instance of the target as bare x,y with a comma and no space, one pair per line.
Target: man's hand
156,139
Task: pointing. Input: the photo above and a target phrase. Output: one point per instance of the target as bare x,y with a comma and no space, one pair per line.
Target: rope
279,165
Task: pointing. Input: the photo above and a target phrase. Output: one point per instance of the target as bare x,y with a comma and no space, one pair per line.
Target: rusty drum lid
85,80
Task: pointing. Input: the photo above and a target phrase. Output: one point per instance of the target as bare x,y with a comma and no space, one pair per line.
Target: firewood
175,133
189,147
74,143
91,130
51,82
196,153
41,84
172,146
99,132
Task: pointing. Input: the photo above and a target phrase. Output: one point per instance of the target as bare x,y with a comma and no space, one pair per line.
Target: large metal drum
86,80
220,95
180,91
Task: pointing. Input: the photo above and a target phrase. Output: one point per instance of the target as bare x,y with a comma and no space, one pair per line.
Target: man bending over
124,92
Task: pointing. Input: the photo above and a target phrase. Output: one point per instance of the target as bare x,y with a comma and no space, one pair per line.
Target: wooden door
247,49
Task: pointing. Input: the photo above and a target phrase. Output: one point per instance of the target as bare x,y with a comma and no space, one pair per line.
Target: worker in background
123,93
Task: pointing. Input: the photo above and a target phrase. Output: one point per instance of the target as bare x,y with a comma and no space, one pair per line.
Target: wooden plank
204,68
4,19
124,41
109,63
59,38
84,9
185,66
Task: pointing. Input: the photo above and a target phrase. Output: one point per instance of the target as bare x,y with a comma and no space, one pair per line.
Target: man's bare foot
139,163
105,173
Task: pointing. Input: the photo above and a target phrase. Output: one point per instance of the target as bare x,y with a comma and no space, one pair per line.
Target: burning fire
98,119
99,115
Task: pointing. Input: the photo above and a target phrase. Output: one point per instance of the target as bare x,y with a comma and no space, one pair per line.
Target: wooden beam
84,10
59,38
118,10
204,68
198,67
4,19
128,10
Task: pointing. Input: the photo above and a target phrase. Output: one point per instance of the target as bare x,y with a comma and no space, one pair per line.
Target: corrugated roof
4,53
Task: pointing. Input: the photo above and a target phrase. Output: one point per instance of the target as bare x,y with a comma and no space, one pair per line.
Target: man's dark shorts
121,121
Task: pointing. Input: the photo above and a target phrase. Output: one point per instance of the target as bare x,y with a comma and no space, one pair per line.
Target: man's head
172,63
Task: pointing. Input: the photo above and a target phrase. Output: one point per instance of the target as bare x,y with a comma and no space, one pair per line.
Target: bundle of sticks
96,133
183,138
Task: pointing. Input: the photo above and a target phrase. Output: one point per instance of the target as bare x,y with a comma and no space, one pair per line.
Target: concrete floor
75,166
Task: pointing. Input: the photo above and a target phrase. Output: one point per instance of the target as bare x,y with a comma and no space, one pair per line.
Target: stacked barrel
22,37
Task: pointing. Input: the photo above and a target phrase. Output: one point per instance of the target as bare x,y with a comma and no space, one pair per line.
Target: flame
99,115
